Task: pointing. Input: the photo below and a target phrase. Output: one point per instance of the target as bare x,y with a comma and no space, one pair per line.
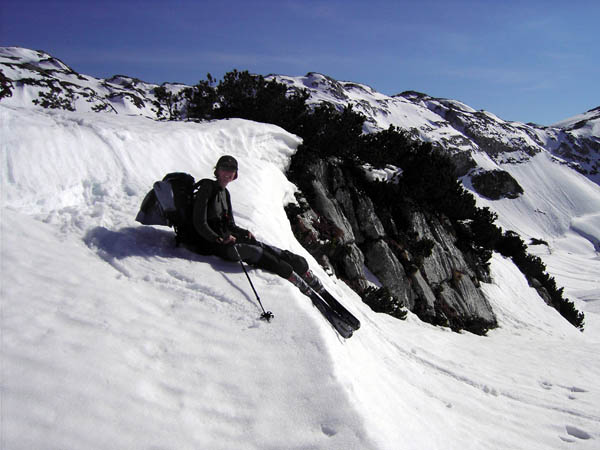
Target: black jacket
213,215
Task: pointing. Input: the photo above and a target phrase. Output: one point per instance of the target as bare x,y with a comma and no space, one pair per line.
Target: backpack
171,203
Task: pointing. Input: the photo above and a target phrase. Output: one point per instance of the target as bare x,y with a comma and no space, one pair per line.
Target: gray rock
471,312
344,198
383,263
329,208
447,268
496,184
353,262
441,290
424,294
368,221
437,267
326,205
445,256
476,306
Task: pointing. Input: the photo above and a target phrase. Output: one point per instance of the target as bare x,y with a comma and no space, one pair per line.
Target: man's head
227,162
226,170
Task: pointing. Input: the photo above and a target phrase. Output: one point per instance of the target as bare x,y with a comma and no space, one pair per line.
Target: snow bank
113,338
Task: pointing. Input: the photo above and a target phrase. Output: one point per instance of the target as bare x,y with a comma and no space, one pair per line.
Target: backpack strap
202,182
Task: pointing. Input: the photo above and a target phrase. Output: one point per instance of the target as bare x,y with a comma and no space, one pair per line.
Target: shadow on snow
113,246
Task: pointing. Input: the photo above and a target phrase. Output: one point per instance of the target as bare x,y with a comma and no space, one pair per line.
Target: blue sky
531,61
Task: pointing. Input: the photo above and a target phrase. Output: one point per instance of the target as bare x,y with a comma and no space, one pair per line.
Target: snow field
114,338
562,208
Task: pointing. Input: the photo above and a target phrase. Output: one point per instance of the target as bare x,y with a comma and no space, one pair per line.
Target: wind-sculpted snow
114,338
128,341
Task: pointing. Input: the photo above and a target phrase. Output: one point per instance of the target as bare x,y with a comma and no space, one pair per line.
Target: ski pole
267,315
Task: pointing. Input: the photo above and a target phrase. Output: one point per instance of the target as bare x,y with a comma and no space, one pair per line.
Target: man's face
225,176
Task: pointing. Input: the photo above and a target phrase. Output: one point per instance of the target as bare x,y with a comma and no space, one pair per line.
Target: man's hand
228,240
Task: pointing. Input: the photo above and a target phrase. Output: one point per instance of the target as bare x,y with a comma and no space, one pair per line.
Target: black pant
267,257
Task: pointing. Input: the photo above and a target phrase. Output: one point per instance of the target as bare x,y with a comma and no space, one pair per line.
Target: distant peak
413,94
595,110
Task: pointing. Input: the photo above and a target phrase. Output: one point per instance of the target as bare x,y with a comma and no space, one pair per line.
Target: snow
388,174
562,208
34,71
381,109
590,119
114,338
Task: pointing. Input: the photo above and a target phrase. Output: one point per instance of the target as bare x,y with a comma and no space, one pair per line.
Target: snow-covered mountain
450,124
460,129
113,338
28,73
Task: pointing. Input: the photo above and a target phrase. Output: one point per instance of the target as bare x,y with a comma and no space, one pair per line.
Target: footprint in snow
576,433
573,390
179,276
193,285
327,430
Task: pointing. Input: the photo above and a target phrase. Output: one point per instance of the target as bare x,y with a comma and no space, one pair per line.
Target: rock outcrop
341,228
496,184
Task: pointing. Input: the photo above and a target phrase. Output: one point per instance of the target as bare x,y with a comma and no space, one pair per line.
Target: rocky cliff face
341,228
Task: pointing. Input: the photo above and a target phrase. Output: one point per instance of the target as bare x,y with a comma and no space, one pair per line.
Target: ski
340,309
343,328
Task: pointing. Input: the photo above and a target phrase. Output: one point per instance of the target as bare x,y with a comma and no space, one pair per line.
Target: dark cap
227,162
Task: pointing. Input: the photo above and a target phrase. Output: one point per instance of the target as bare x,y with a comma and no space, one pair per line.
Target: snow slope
562,208
114,338
583,123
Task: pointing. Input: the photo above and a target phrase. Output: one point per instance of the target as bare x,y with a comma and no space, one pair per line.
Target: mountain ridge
449,124
458,128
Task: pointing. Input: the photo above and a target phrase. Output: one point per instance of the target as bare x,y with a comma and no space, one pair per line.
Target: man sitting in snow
215,232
